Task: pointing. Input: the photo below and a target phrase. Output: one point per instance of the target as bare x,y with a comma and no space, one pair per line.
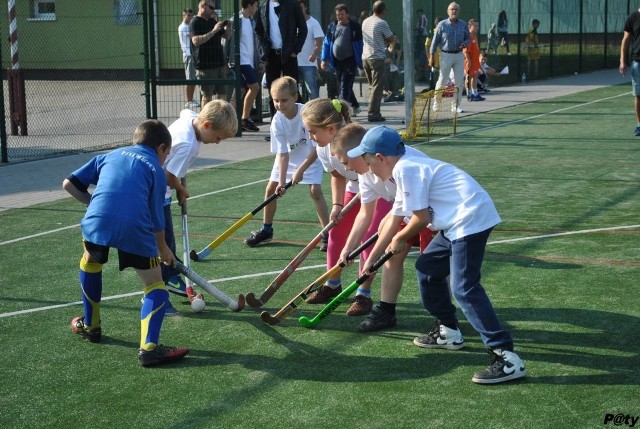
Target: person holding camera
206,49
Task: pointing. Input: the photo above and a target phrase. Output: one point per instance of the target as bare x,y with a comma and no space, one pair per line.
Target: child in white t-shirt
376,199
296,158
216,121
447,199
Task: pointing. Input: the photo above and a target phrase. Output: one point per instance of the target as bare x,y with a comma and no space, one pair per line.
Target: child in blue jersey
296,158
446,199
124,211
216,121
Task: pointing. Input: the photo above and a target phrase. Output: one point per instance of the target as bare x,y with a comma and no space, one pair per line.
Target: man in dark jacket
342,52
282,30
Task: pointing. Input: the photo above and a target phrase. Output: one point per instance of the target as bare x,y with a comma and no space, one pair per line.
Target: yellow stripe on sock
90,267
144,323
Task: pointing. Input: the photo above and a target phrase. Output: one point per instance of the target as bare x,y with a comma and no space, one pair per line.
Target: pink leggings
339,233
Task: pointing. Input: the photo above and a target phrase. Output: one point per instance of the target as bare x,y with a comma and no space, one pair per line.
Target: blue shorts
635,77
248,74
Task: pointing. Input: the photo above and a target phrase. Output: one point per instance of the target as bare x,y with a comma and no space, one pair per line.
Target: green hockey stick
335,302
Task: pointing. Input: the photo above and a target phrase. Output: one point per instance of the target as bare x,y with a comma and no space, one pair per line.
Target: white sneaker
504,365
195,103
188,105
456,109
441,337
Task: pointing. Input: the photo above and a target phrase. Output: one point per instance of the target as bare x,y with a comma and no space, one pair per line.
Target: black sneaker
248,125
504,366
378,319
441,337
324,294
161,355
376,119
78,327
258,236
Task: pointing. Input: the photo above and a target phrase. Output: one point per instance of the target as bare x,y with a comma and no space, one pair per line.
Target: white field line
15,313
271,273
28,237
479,130
127,295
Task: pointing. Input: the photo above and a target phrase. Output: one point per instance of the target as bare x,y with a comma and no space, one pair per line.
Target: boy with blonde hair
216,121
296,157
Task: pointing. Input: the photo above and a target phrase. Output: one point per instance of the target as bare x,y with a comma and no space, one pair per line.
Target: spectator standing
451,36
631,37
342,53
187,59
422,31
472,62
503,30
493,39
250,65
434,65
281,30
206,49
308,56
533,48
377,35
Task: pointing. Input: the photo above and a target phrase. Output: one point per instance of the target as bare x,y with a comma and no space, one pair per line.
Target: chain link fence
81,67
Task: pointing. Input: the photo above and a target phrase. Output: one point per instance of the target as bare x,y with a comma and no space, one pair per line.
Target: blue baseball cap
380,139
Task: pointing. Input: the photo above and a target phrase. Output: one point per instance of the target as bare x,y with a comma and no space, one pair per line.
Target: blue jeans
170,239
346,73
309,75
461,260
635,78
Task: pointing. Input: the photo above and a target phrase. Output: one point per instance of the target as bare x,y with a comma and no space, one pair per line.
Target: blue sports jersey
126,206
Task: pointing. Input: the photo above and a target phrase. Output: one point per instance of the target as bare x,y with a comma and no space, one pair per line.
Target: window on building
44,10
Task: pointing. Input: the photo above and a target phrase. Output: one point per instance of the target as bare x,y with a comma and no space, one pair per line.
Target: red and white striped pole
13,33
17,97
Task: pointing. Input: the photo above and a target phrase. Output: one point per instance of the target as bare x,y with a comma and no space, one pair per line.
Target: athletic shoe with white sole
160,355
441,337
176,285
504,366
78,327
258,236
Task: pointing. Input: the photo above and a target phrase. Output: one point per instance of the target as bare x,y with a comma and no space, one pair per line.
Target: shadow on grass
560,346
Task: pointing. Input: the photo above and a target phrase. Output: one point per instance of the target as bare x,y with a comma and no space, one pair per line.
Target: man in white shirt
187,60
308,56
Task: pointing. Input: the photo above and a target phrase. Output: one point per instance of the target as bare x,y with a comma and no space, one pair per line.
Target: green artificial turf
566,165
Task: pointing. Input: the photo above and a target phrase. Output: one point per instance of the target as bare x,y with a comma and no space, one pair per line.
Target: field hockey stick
199,256
292,305
234,305
335,302
191,294
295,263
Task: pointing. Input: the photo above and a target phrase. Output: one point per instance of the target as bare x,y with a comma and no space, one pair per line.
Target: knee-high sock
91,285
152,314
